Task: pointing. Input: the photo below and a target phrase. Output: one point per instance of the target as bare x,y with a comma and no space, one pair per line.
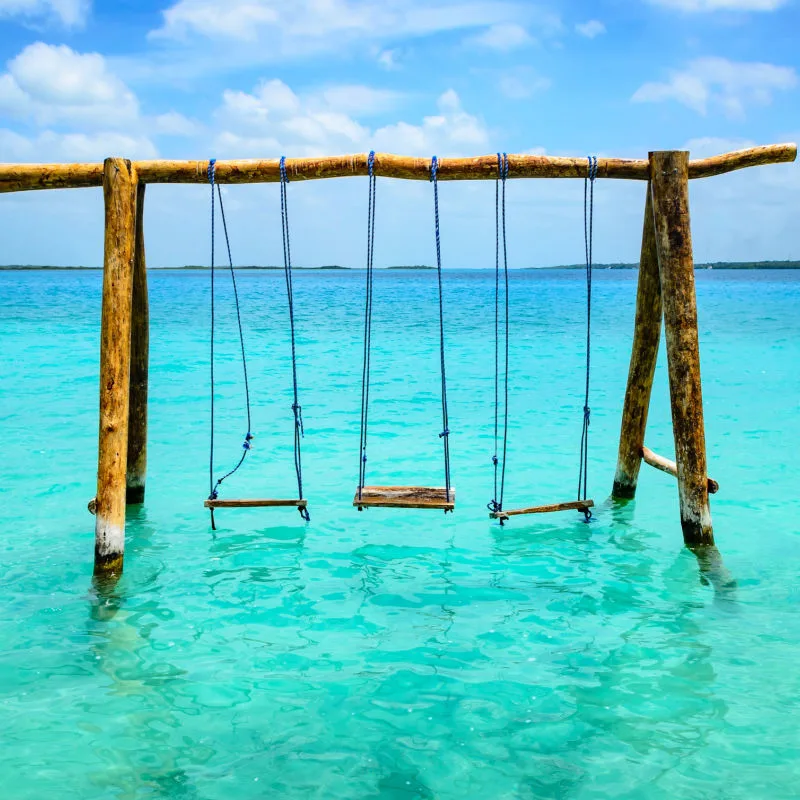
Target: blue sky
261,78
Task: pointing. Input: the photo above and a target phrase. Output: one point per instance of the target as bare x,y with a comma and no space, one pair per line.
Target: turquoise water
398,654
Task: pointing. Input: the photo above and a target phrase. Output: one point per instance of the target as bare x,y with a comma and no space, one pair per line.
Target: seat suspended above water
214,501
583,504
441,498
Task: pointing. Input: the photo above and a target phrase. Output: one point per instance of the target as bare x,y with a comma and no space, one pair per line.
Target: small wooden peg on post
140,347
119,192
646,336
670,188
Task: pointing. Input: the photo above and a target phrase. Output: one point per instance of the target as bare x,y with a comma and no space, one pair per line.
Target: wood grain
140,350
572,505
670,467
670,190
24,177
644,354
119,192
255,503
405,497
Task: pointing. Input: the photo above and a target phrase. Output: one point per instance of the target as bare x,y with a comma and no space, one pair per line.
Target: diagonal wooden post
646,337
119,192
670,189
140,345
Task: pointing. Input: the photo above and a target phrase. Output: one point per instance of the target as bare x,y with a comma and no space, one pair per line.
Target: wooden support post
646,337
670,188
119,192
140,346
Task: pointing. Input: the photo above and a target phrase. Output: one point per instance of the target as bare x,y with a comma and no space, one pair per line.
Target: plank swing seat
574,505
214,501
583,504
255,503
442,498
437,498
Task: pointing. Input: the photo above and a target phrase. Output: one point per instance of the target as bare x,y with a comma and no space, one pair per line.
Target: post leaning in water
140,345
119,194
644,354
670,188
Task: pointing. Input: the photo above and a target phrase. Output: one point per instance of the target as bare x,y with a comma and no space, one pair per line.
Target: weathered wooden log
140,352
22,177
670,467
741,159
27,177
119,192
670,190
644,354
572,505
255,503
405,497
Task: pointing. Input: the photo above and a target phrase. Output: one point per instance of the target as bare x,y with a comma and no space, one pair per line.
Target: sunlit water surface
398,654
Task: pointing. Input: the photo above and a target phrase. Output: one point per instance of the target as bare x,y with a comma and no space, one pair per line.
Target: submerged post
119,193
670,189
140,346
646,336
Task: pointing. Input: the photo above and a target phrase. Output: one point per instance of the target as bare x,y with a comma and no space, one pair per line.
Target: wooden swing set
666,290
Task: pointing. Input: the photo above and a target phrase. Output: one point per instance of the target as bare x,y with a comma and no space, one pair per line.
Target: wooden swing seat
405,497
574,505
255,503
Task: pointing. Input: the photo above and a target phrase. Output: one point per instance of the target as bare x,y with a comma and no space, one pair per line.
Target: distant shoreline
724,265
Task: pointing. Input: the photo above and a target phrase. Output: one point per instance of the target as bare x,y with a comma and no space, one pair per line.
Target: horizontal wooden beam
665,465
23,177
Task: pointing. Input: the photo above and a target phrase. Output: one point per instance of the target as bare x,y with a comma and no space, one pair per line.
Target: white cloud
718,83
388,59
591,28
71,13
303,25
721,5
49,84
174,124
522,83
504,37
274,119
52,146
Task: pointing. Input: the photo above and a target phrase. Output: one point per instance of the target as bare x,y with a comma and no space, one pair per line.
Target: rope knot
587,412
371,163
246,443
495,460
212,171
434,169
298,417
494,506
364,458
444,433
304,513
284,176
213,495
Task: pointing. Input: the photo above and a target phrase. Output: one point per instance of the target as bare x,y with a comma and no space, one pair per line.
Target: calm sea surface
398,654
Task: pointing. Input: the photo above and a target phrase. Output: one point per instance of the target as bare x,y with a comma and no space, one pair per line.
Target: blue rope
588,233
362,464
287,268
445,434
246,445
496,503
